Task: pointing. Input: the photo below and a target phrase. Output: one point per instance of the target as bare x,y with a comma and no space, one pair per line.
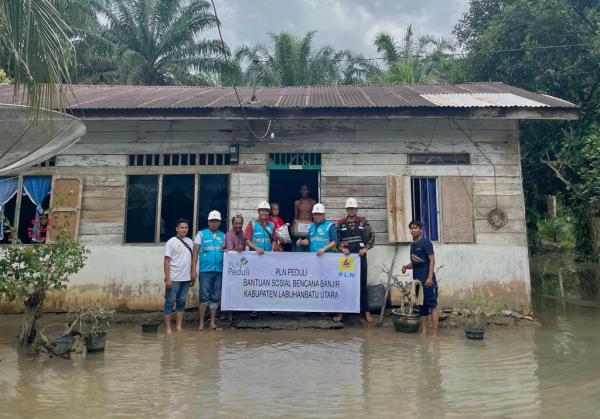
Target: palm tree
422,59
411,71
36,51
293,61
157,42
95,54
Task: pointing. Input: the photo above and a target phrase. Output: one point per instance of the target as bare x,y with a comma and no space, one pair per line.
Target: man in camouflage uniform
354,235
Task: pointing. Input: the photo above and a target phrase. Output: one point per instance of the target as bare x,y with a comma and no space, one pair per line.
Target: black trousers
364,302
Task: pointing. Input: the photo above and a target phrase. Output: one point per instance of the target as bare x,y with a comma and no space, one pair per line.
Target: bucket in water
475,333
150,327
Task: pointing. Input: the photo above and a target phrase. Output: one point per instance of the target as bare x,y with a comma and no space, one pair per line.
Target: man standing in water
260,234
322,235
302,216
422,262
179,273
211,242
235,241
356,236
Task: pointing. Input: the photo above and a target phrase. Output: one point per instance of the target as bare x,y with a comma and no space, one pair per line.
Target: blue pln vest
318,235
261,235
211,254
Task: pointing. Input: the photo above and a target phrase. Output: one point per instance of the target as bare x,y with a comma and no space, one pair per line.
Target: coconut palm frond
385,44
34,37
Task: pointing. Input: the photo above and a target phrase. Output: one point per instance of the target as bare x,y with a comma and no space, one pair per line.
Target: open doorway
284,186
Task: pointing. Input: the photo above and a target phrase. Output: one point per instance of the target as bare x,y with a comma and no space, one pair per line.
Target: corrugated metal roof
493,95
482,100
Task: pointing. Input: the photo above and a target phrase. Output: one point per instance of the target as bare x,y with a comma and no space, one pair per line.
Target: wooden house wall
356,157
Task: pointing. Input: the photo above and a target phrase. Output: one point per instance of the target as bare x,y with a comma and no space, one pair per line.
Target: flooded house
448,155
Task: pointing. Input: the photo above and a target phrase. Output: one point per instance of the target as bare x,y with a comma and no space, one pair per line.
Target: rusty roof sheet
466,95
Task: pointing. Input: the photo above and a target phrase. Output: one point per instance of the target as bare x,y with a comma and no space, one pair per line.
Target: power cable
496,217
227,56
499,51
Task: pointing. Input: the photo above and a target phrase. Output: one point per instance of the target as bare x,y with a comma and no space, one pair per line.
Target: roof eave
548,113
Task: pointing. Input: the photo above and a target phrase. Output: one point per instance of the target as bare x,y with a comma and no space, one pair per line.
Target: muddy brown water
552,371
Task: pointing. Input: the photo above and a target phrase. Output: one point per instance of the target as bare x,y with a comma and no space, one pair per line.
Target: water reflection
321,376
551,371
561,275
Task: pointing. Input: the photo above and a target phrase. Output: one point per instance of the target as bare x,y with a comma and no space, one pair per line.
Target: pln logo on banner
238,267
345,264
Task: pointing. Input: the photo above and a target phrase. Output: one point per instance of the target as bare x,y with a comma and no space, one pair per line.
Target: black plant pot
150,327
407,323
475,333
95,342
62,345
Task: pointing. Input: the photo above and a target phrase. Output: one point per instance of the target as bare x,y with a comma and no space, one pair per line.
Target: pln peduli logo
238,267
346,264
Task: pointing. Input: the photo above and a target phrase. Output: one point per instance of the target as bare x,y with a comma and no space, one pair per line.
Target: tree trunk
31,315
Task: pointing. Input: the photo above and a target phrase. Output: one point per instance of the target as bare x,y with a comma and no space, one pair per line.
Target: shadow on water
552,371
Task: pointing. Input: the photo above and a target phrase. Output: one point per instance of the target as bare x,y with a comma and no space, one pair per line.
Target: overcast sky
350,24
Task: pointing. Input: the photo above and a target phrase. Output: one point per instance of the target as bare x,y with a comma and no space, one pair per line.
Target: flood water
552,371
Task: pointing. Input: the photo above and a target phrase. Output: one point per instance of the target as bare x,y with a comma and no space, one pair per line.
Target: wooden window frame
438,204
433,162
159,191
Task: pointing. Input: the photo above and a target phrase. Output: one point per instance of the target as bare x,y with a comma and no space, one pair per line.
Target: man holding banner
322,234
209,244
356,236
260,232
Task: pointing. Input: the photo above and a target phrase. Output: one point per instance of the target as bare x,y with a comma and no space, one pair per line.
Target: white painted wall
132,276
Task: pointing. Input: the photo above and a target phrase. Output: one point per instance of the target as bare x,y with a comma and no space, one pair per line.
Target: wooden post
158,210
17,210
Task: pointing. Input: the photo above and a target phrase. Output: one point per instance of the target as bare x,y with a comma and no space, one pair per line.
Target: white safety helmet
214,215
264,205
318,209
351,203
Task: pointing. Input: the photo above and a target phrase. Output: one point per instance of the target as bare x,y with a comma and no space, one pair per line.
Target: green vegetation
27,273
4,78
514,41
422,60
293,61
35,50
151,42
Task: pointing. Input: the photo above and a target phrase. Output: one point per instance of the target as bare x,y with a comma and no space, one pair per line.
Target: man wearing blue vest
322,235
209,244
260,232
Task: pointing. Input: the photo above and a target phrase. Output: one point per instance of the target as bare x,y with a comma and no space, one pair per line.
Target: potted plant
150,326
405,318
62,344
475,320
94,320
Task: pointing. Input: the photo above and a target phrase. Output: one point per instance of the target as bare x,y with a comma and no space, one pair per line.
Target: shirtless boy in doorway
303,212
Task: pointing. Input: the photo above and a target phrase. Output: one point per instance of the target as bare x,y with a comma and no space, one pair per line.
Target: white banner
291,281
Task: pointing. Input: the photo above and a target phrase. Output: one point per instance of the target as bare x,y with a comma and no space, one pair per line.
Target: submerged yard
549,371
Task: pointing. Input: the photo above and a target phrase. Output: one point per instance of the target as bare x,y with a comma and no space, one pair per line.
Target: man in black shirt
354,235
422,262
